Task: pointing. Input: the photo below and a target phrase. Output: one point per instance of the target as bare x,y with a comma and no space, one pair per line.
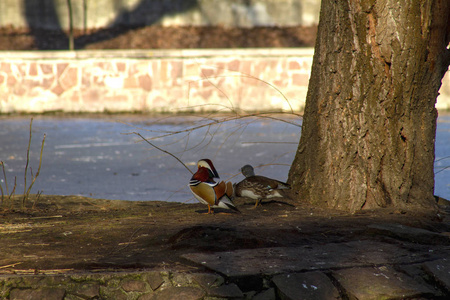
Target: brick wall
159,81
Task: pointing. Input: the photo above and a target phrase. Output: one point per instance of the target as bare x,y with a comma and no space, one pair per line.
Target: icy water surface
102,158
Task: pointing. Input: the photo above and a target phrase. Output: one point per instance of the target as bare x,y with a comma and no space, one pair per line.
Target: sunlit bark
370,119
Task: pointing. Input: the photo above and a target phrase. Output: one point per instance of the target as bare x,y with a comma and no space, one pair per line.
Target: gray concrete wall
53,14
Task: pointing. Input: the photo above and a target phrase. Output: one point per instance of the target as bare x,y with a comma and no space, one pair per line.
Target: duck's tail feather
225,202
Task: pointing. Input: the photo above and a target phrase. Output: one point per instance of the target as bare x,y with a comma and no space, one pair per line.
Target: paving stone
380,283
147,296
182,279
266,295
416,271
310,285
272,261
73,297
226,291
185,293
416,235
112,293
134,286
89,290
155,280
206,280
440,270
38,294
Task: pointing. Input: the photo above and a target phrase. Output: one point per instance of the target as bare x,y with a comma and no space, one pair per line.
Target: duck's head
207,163
248,171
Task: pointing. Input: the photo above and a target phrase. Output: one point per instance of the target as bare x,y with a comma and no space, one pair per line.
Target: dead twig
27,191
11,265
4,176
26,164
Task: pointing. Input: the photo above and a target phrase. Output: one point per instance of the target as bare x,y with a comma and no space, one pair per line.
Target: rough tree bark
370,119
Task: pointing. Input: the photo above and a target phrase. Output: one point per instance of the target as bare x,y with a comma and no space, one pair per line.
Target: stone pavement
416,265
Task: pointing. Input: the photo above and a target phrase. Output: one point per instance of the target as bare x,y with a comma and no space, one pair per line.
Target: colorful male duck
258,187
207,191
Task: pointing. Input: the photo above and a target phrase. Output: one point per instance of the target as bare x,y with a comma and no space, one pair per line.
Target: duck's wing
204,193
223,192
270,183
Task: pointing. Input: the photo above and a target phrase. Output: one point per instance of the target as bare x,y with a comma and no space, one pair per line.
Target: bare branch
167,152
6,183
28,160
38,171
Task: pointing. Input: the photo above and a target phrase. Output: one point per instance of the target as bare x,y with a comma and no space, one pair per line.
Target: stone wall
156,81
159,80
53,14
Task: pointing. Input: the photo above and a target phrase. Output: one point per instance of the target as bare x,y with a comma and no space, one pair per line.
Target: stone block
60,67
234,65
207,281
185,293
379,283
266,295
294,65
47,82
311,285
112,293
46,68
37,294
182,279
121,66
155,280
440,271
207,72
145,82
129,285
300,79
11,80
69,78
5,67
33,70
176,69
417,272
164,72
58,90
21,69
191,70
416,235
89,290
228,291
130,82
295,259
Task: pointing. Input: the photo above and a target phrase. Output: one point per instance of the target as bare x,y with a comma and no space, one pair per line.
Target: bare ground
158,37
73,234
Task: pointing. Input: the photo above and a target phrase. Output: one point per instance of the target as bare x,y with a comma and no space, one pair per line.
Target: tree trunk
370,119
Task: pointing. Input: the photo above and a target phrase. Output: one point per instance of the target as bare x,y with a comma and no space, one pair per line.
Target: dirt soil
74,234
158,37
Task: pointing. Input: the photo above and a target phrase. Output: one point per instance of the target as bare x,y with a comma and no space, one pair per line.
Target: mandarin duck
258,187
207,191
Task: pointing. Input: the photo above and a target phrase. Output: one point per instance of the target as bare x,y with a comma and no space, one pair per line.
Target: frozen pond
102,158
